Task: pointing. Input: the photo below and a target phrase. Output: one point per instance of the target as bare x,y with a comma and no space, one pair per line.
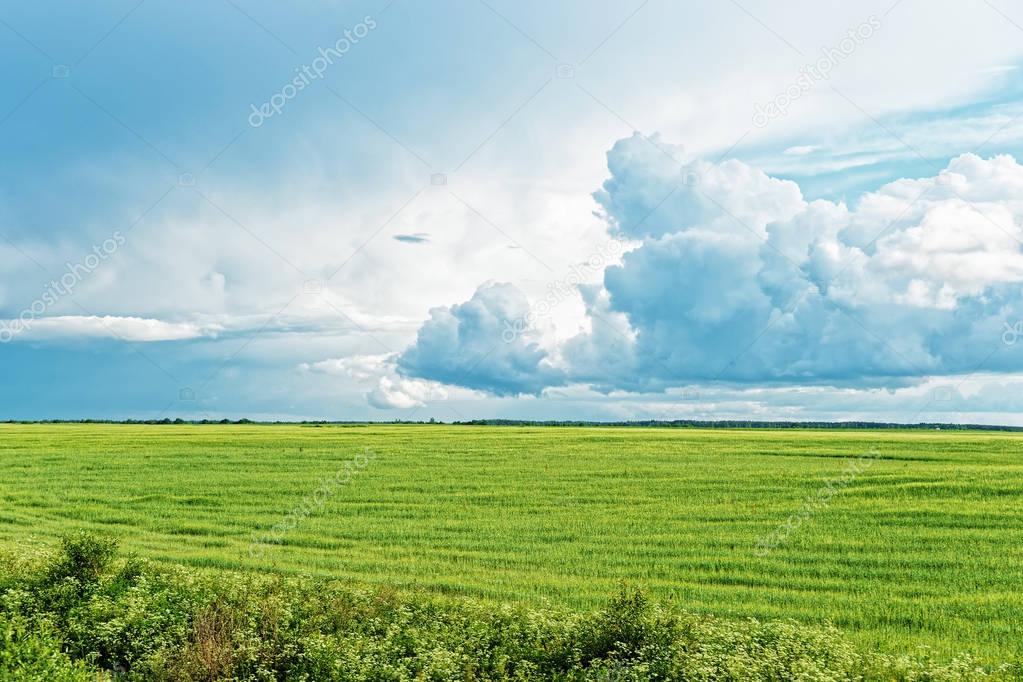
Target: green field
922,547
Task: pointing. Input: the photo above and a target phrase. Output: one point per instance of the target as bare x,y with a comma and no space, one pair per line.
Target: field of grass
923,545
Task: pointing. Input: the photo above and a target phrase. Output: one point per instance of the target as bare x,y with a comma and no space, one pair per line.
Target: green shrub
83,558
74,572
33,654
172,624
620,631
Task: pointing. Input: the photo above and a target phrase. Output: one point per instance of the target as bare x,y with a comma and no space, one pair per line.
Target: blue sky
512,209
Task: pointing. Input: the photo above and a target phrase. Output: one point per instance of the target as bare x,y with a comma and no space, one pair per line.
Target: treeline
131,421
645,423
744,424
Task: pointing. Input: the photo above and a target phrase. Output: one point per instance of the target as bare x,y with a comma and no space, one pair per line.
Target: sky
460,209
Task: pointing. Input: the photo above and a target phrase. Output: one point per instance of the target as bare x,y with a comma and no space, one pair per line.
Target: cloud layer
737,278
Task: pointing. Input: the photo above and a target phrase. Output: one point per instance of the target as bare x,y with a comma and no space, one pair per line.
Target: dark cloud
415,238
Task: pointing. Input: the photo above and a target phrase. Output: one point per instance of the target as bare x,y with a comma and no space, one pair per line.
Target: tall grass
922,548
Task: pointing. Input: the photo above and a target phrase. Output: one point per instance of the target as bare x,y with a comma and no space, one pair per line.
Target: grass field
923,546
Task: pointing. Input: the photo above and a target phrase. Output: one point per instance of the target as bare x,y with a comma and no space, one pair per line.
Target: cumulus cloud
918,279
480,344
652,193
604,355
738,278
398,393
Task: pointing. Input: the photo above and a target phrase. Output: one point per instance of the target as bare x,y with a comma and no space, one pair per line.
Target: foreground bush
132,620
34,655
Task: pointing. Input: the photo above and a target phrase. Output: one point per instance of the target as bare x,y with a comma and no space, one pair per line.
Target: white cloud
135,329
801,150
482,344
397,393
388,391
739,279
359,367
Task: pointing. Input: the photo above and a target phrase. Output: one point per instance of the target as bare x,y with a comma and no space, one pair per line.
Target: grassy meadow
921,546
